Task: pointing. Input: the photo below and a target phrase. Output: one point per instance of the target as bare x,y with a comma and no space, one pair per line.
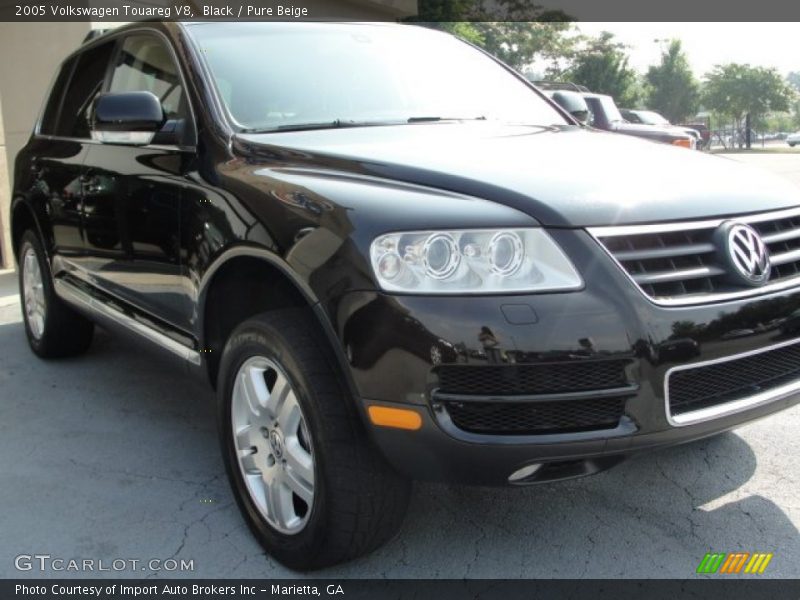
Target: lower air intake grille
529,379
709,385
531,418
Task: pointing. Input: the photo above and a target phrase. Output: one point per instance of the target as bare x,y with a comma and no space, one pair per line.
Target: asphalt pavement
114,456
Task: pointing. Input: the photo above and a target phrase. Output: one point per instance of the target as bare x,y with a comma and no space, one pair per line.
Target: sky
707,44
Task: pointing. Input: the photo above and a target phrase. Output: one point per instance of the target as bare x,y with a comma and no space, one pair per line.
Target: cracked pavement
115,455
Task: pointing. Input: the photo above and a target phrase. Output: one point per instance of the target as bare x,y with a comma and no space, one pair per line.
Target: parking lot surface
114,455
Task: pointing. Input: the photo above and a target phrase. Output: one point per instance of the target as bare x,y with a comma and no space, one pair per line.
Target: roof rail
94,34
561,85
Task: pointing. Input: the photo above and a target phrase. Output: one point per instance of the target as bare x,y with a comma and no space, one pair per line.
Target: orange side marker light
398,418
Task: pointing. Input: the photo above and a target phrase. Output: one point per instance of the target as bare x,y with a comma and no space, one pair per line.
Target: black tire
359,500
65,332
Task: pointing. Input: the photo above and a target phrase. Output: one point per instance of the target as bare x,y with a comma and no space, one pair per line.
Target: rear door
132,194
60,147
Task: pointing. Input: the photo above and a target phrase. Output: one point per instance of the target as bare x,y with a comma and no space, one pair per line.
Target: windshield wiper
439,119
342,123
335,124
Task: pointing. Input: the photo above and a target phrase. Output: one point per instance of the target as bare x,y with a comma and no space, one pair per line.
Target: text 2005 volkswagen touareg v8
394,258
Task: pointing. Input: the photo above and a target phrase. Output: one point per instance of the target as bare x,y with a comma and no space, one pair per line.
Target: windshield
278,76
652,118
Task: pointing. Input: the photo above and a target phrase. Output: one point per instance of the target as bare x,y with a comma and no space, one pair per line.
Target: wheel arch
24,217
269,283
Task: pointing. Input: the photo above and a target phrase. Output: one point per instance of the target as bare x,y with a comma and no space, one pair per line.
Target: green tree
527,32
602,66
794,79
518,44
672,89
735,90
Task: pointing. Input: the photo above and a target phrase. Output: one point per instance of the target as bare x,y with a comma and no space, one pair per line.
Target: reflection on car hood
561,176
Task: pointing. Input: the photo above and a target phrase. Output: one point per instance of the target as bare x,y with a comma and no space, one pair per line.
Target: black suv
394,258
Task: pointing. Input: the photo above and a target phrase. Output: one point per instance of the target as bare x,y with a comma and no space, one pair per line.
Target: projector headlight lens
472,261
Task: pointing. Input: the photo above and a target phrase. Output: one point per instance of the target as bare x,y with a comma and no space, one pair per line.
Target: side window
145,64
50,115
86,83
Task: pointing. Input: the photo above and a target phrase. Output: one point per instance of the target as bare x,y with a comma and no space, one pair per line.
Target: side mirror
127,118
573,103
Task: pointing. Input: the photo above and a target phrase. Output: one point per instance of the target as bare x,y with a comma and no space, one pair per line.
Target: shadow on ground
114,455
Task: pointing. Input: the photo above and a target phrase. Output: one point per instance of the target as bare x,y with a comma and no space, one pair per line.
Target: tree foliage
671,88
738,89
527,32
602,66
518,44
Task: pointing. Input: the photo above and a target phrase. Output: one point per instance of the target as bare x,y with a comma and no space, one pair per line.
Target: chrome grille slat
668,276
782,236
677,263
665,252
785,257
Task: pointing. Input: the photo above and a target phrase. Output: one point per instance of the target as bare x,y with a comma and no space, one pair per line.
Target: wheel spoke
247,458
257,488
289,415
244,438
277,396
254,389
280,502
299,487
299,463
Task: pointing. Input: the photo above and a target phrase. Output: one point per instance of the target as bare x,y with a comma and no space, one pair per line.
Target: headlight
472,261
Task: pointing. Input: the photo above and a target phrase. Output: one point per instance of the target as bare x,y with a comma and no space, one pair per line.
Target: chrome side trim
734,406
598,233
77,297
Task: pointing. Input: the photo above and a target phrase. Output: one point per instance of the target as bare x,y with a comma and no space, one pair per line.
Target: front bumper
397,346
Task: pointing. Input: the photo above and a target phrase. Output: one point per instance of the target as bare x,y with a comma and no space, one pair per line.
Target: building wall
31,53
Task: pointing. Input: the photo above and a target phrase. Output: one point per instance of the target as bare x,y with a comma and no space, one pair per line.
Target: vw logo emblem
276,443
746,253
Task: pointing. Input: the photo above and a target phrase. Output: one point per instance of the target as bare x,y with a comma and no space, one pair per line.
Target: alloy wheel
272,444
33,293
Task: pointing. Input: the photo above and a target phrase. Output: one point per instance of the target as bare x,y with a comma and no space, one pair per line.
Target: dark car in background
394,258
651,117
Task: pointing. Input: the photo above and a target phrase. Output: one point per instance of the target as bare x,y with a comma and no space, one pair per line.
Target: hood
563,177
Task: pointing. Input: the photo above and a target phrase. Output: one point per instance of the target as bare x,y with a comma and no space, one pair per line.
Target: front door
132,194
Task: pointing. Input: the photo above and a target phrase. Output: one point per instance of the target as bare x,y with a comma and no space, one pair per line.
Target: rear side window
145,64
86,83
51,109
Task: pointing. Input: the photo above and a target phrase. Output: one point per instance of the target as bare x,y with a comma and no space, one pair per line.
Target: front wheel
310,485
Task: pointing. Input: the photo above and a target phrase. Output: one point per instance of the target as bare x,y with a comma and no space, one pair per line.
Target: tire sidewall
260,341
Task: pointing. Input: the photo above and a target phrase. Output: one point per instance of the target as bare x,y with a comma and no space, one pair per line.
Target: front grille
713,384
679,261
530,379
532,418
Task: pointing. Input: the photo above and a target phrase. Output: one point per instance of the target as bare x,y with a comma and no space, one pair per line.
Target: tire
791,145
53,329
357,502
